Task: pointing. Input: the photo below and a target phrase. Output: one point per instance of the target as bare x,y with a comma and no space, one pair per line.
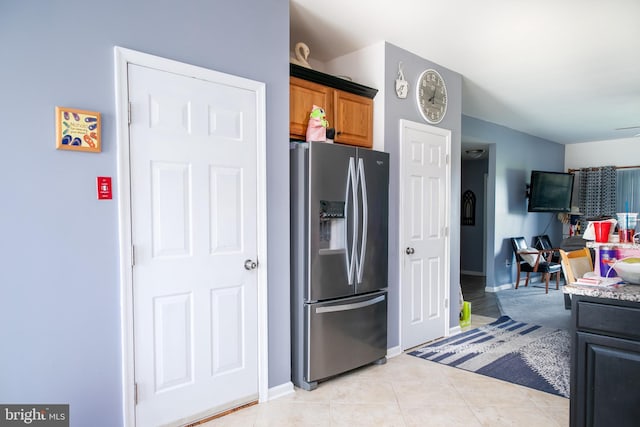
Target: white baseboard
455,330
281,390
497,288
534,279
472,273
394,351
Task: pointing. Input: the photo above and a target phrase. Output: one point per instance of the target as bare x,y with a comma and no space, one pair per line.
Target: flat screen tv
550,192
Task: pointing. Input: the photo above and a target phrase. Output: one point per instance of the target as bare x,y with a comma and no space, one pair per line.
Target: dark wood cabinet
605,375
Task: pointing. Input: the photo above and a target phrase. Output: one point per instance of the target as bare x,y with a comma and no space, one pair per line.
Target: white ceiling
564,70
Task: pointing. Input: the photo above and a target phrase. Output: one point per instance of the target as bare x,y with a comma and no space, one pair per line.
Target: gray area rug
531,305
522,353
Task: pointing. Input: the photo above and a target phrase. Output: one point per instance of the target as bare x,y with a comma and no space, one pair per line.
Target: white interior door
424,242
194,209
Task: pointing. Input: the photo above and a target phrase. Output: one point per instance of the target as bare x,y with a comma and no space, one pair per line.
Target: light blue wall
512,157
60,303
472,236
395,110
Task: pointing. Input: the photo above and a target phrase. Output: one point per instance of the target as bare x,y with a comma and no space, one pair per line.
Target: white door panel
434,279
424,243
226,207
227,335
173,337
416,286
194,203
170,183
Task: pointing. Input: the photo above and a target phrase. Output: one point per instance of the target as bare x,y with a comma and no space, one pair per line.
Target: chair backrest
576,263
518,244
543,242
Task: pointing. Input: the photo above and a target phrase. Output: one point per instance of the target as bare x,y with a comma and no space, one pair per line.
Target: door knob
410,251
250,264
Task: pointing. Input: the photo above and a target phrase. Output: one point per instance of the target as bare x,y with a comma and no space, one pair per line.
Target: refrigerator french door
339,250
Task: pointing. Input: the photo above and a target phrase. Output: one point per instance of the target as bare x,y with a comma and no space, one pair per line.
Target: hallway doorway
482,303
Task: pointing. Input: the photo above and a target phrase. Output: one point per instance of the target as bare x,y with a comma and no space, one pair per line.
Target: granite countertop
619,292
592,244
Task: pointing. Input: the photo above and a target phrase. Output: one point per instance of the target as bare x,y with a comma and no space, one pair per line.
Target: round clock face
432,96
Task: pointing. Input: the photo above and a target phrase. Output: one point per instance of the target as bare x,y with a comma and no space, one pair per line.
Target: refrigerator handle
352,306
351,186
365,214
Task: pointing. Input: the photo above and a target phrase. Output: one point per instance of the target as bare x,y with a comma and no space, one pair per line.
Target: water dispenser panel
332,226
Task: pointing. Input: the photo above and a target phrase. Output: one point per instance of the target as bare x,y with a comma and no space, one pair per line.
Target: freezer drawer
344,334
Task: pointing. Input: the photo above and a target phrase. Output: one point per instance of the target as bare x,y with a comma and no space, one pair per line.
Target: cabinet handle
339,132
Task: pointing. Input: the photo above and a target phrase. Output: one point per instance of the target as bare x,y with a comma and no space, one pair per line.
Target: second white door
424,241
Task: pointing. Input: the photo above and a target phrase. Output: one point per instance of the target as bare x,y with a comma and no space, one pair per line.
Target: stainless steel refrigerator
339,268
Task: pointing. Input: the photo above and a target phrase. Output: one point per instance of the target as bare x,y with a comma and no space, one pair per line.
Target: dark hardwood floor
482,303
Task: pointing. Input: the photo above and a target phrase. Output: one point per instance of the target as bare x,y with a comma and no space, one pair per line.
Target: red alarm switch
104,188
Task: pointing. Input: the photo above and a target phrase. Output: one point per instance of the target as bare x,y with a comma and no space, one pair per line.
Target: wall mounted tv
550,191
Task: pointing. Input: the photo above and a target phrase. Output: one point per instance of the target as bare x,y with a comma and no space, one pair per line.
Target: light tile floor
408,391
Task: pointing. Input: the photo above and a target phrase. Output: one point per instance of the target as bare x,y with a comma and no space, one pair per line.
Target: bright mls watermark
34,415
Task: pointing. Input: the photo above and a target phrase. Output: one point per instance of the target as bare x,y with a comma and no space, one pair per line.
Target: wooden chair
574,265
531,260
543,242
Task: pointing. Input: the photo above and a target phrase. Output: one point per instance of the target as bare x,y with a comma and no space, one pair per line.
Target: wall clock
431,95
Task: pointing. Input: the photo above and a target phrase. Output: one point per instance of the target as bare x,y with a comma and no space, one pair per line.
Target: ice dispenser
332,226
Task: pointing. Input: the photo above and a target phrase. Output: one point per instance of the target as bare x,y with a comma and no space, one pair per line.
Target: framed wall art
78,130
468,208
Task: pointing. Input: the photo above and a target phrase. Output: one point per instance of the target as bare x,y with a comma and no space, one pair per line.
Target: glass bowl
628,269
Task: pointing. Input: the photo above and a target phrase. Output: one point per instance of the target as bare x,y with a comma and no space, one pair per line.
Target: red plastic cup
602,229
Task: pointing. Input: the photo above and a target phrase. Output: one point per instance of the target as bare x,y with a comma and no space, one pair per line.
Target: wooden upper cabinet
303,95
352,119
348,106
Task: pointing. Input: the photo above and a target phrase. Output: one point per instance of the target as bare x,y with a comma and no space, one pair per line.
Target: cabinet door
303,95
353,119
606,382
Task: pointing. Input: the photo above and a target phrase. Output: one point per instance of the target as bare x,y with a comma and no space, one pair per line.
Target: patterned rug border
530,355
